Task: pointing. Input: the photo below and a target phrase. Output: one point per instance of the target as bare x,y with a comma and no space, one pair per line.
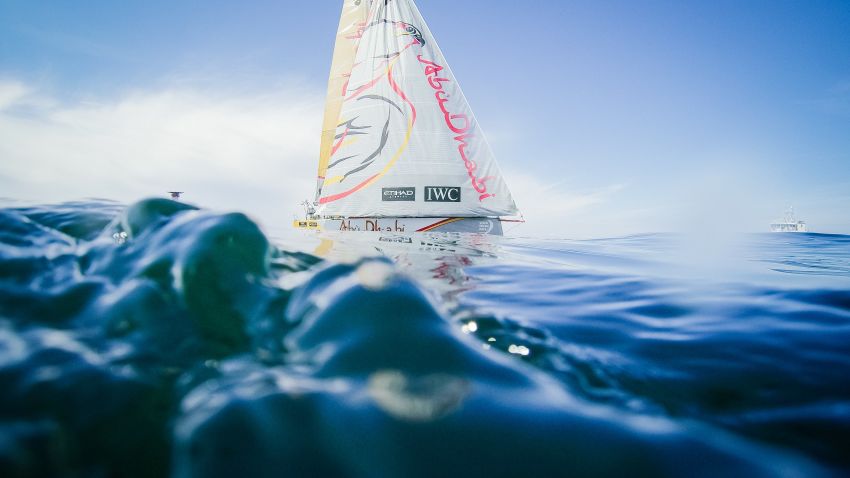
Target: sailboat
401,150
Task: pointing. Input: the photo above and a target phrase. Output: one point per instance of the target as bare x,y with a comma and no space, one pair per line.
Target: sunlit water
160,340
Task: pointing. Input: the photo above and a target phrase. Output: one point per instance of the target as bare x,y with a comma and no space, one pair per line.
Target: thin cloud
249,152
73,44
556,208
12,92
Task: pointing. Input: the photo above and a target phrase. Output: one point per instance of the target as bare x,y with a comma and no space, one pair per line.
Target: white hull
476,225
789,227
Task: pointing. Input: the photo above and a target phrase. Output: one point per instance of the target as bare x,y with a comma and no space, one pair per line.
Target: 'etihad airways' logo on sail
442,194
459,124
398,194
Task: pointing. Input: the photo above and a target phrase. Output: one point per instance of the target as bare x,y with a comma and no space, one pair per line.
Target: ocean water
157,339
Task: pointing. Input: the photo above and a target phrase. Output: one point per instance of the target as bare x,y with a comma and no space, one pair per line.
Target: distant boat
401,150
789,223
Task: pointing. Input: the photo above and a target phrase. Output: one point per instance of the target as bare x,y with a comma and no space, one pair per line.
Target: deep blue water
161,340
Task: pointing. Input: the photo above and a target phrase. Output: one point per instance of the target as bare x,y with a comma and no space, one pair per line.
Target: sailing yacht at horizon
401,150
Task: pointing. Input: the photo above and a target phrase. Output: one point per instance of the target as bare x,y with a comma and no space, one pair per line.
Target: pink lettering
478,184
459,124
437,82
455,129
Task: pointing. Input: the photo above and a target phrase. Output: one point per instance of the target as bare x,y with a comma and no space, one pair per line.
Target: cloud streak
11,93
555,209
250,152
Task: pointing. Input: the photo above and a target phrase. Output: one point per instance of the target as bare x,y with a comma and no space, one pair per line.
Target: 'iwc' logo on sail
398,194
442,194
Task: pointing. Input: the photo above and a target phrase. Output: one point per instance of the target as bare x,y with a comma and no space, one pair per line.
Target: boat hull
789,227
477,225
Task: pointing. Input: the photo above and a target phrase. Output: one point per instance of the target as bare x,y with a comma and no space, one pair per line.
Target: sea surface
157,339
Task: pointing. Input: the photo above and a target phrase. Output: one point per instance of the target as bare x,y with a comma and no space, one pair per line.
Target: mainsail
399,138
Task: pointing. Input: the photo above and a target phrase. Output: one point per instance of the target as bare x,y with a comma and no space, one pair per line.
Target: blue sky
612,117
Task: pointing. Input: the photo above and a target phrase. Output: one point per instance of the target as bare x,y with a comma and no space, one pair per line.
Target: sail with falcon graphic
399,140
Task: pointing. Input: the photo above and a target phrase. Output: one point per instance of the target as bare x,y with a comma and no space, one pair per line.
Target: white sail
406,142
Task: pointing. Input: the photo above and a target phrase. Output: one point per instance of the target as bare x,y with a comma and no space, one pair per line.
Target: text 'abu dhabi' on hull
400,148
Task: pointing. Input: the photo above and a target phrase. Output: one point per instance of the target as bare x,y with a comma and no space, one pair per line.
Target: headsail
406,142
